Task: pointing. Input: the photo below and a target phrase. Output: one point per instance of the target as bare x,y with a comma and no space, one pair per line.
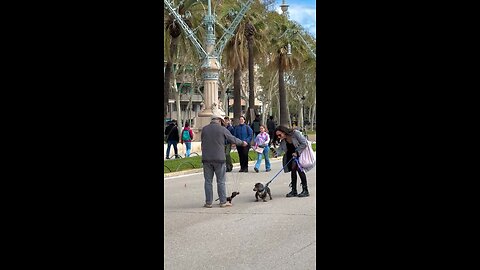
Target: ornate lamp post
210,53
284,7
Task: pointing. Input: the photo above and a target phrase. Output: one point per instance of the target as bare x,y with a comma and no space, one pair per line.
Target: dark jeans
228,158
243,155
174,143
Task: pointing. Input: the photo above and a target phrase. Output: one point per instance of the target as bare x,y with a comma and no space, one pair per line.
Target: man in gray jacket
213,158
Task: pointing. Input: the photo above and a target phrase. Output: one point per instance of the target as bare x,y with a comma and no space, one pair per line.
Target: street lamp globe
284,6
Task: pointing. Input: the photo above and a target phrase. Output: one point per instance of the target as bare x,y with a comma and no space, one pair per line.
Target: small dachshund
229,199
261,191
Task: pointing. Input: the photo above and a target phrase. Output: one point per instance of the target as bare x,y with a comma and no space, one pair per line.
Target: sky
303,12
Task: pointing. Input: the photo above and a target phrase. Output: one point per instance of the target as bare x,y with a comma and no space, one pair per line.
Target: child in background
262,149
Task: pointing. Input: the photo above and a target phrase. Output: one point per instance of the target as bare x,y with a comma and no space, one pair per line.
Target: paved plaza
277,234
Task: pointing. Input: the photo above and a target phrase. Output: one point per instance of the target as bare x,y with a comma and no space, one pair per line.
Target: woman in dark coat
292,142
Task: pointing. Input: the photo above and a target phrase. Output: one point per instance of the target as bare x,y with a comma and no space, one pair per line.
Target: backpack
185,135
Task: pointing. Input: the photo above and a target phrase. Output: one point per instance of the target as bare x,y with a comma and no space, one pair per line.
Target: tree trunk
278,109
168,73
249,33
300,115
314,111
310,117
282,94
177,99
166,87
251,77
237,100
289,124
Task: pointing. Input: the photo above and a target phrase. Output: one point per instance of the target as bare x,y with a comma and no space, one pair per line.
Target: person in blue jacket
245,133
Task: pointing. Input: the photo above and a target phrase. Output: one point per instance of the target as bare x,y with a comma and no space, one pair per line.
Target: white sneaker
227,204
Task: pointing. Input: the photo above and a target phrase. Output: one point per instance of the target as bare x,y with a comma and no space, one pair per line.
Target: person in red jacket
187,137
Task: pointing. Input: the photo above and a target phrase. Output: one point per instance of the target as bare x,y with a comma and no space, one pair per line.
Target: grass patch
195,162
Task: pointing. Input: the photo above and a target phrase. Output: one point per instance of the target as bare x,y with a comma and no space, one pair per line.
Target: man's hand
244,143
294,154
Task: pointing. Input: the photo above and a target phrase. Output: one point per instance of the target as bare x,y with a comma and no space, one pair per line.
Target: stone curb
167,175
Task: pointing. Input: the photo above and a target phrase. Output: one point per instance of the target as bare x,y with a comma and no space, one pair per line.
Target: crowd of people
242,131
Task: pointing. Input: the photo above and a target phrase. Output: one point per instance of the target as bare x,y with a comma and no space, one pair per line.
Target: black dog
262,192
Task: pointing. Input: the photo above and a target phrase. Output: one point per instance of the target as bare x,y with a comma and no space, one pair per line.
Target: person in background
292,143
213,158
187,137
256,125
228,146
172,137
262,149
271,131
243,132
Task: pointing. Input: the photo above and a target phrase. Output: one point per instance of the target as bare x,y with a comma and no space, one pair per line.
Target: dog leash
298,163
279,171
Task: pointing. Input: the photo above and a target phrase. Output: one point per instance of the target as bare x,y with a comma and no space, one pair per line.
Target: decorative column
210,69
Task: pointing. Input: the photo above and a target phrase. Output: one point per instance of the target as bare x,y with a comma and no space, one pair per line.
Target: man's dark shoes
268,170
256,170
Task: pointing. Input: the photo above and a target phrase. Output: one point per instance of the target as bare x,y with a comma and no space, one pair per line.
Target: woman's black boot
304,192
293,193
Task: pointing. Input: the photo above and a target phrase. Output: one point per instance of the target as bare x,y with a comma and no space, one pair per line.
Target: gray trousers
208,170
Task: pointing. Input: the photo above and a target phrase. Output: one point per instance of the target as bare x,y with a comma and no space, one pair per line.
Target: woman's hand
294,154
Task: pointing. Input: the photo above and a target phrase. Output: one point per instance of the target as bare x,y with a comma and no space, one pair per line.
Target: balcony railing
195,97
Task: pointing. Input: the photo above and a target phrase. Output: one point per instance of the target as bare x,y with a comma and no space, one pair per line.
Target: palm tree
254,24
280,40
235,56
249,32
236,50
174,31
190,12
236,61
